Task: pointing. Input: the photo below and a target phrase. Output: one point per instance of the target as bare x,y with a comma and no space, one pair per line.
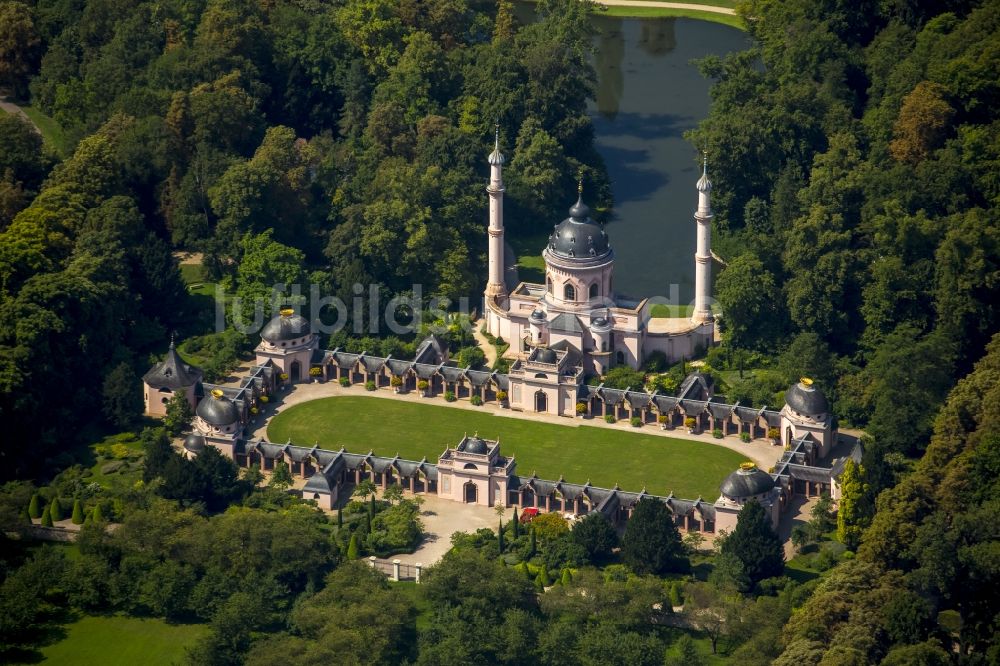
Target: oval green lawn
414,430
118,639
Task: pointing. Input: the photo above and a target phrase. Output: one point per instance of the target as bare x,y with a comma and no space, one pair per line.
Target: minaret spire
496,288
703,254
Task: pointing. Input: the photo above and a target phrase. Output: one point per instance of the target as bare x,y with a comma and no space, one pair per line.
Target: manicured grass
661,311
123,640
605,456
52,133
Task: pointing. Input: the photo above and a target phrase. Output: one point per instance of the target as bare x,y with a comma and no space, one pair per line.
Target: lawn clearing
413,430
102,640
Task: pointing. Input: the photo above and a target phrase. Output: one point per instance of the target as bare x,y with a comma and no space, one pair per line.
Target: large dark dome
286,326
578,236
218,410
475,445
747,481
806,399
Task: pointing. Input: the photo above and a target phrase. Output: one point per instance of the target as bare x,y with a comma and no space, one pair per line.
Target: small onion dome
194,443
578,236
546,356
537,317
806,399
218,410
600,324
286,326
704,184
496,157
475,445
748,481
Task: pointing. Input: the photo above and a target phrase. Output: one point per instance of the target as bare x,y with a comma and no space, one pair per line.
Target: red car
528,515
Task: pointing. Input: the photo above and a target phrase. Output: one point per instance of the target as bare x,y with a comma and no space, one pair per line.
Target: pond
649,93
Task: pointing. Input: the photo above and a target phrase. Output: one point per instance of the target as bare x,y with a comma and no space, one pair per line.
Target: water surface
648,94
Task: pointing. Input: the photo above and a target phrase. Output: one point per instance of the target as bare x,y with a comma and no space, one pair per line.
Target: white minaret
703,254
496,287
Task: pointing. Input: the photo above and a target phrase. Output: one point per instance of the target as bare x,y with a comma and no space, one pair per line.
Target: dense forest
854,150
289,142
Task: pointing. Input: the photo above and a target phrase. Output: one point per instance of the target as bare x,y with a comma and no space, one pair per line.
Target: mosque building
565,330
577,310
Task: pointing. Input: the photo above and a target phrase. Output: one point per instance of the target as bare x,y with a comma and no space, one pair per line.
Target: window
593,290
604,346
621,358
569,293
548,284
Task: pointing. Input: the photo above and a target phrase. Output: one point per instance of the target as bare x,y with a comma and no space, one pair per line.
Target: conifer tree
340,516
755,544
55,511
46,518
98,515
517,524
35,507
352,548
675,595
500,536
651,542
853,513
544,576
532,543
77,512
567,577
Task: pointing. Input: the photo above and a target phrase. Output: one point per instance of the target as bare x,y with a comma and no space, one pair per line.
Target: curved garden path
15,110
669,5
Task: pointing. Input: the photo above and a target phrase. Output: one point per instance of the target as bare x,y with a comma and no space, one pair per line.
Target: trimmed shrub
395,381
689,422
476,400
745,437
661,418
501,395
567,577
35,507
46,518
98,515
581,408
609,418
344,381
717,433
676,599
773,433
55,510
449,396
352,548
635,421
77,512
315,372
422,384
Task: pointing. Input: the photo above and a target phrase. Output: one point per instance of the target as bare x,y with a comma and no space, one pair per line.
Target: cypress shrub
517,525
55,510
352,548
544,575
77,512
46,518
533,543
567,577
675,595
25,517
500,535
98,515
340,516
35,507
